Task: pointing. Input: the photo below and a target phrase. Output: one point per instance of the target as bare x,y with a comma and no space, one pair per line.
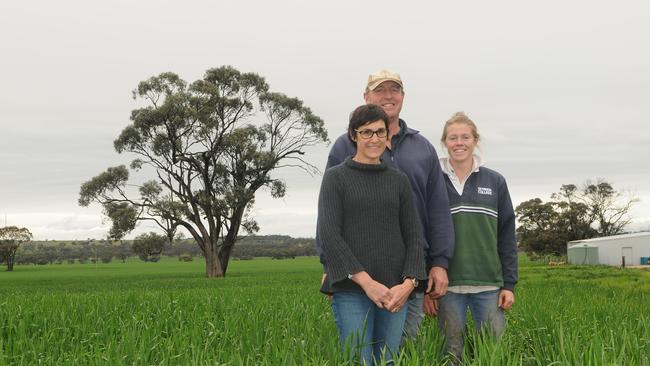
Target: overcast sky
559,90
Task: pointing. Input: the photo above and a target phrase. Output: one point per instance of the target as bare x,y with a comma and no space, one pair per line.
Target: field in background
268,312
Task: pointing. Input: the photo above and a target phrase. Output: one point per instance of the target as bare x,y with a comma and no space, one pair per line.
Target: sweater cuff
510,286
418,275
415,270
340,273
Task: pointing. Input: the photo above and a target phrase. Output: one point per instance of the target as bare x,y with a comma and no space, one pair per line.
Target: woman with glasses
369,231
483,270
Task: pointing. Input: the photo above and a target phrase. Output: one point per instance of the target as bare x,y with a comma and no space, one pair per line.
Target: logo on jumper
482,190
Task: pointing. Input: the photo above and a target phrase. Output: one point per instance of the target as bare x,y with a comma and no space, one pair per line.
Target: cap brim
376,83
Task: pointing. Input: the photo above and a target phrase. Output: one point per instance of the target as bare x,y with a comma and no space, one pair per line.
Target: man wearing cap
411,153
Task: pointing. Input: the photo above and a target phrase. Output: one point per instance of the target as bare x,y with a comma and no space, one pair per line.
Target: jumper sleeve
340,260
341,149
506,241
410,227
440,232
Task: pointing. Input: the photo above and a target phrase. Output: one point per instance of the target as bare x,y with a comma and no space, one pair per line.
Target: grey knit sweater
367,222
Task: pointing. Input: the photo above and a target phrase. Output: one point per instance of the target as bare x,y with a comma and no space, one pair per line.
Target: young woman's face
460,142
369,150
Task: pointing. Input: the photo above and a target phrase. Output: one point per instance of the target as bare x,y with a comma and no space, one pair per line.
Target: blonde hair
460,117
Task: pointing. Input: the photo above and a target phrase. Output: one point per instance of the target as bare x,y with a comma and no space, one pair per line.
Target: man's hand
430,306
401,295
506,299
438,281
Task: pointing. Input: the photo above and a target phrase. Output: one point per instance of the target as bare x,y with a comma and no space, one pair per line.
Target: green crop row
269,312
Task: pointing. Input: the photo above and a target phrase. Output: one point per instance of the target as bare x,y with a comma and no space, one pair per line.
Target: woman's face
369,150
460,142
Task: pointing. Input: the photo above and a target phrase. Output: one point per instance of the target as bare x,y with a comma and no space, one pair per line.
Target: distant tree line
151,247
594,209
274,246
81,251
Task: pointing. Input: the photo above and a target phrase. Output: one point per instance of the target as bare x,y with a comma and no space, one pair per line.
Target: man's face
389,95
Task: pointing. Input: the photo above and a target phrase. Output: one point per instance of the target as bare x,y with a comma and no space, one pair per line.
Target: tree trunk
224,254
213,266
10,263
231,237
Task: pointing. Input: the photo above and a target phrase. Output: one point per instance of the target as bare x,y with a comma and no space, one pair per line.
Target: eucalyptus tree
10,239
210,146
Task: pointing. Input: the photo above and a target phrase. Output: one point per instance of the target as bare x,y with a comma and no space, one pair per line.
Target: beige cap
380,76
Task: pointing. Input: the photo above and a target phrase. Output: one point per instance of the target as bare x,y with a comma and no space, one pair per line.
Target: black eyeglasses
366,134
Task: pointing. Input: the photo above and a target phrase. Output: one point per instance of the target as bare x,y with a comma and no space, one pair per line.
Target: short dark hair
363,115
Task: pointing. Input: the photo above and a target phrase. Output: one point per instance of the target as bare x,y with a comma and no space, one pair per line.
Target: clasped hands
391,299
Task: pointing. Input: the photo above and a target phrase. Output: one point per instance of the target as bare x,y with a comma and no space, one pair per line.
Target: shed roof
579,244
609,238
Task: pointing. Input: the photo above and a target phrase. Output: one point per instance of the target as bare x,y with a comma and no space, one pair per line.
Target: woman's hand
379,294
400,294
322,281
376,292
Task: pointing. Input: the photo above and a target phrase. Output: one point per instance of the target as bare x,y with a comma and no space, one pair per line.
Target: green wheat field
269,312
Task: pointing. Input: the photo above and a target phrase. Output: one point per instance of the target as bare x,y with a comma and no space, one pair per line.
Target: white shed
635,248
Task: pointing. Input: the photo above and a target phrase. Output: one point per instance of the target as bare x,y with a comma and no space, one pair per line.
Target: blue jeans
414,316
452,317
365,330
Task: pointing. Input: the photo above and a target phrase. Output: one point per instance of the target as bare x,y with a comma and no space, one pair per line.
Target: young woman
483,270
370,239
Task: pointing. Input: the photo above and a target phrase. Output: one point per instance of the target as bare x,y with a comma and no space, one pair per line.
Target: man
411,153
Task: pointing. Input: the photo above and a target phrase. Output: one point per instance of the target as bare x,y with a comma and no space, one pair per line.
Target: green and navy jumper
485,251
